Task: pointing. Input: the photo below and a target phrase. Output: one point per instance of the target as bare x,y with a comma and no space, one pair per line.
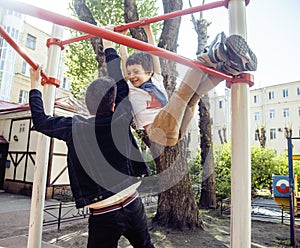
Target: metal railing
271,212
63,212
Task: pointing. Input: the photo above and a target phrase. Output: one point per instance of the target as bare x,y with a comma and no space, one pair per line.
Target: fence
264,211
63,212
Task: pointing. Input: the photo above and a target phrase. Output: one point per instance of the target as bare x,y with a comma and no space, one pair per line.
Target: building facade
17,139
273,109
14,70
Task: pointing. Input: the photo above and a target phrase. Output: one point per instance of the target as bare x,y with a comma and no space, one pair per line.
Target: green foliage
264,164
81,68
195,169
223,170
80,56
262,167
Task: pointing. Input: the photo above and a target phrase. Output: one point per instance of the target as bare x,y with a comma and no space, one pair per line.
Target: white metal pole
42,152
240,225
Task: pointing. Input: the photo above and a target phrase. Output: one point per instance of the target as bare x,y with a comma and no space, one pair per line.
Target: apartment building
274,107
14,71
17,139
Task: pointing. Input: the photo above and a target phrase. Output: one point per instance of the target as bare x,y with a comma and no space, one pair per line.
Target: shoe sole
216,52
241,57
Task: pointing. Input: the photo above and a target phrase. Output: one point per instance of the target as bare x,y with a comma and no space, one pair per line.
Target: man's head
100,96
139,67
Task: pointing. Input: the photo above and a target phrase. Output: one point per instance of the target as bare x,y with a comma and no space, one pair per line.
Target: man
104,162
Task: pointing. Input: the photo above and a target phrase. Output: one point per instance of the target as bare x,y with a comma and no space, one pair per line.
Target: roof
9,107
66,103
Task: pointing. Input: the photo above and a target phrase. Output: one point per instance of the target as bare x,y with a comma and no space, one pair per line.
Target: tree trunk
84,14
208,187
177,207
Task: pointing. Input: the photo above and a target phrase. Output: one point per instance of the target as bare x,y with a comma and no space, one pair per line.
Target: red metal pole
154,19
19,50
107,34
170,15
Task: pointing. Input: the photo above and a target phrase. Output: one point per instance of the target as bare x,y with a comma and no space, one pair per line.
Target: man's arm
56,127
113,62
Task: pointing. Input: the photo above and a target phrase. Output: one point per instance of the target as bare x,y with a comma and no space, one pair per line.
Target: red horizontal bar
84,37
154,19
19,50
170,15
107,34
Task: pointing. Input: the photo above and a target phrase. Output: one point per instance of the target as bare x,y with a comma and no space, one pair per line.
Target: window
65,84
286,112
24,65
272,113
221,104
23,96
272,133
256,99
22,128
30,41
256,136
298,111
257,116
285,93
298,91
271,95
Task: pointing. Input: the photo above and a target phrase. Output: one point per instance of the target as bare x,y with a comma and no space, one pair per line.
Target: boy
104,162
166,122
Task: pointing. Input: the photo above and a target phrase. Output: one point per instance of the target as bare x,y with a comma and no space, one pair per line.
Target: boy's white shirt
144,106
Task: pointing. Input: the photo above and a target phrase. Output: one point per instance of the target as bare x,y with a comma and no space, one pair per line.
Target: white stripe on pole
42,152
240,224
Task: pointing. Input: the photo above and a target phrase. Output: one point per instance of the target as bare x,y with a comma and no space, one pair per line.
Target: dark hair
100,95
141,58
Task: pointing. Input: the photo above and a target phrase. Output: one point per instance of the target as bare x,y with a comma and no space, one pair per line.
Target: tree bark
84,14
208,186
177,207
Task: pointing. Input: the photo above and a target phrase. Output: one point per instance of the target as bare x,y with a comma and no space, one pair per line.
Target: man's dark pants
106,229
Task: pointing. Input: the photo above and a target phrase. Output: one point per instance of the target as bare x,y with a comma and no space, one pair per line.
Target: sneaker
240,57
215,53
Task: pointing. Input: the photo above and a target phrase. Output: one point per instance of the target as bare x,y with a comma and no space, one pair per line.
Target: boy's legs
207,83
171,123
165,129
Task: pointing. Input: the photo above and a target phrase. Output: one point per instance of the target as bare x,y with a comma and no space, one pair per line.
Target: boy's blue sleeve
56,127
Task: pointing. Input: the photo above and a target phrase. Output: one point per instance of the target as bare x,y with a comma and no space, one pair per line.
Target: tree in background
261,135
177,207
208,185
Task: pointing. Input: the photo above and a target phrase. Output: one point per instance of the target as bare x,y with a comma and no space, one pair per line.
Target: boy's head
139,67
100,96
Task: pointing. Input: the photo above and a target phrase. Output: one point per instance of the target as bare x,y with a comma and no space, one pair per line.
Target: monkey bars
108,35
240,203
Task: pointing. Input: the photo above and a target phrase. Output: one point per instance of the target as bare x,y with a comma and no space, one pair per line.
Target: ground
263,234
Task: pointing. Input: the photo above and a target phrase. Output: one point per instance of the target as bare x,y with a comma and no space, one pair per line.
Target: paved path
14,221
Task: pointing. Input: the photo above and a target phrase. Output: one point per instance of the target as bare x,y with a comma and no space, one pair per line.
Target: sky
273,33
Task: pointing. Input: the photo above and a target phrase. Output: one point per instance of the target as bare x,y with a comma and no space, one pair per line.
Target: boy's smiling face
137,75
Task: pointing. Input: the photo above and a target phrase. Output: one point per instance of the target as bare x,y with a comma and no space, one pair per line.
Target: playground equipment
286,192
281,192
241,186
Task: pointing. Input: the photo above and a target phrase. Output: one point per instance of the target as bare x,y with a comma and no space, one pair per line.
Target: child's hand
143,21
35,77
